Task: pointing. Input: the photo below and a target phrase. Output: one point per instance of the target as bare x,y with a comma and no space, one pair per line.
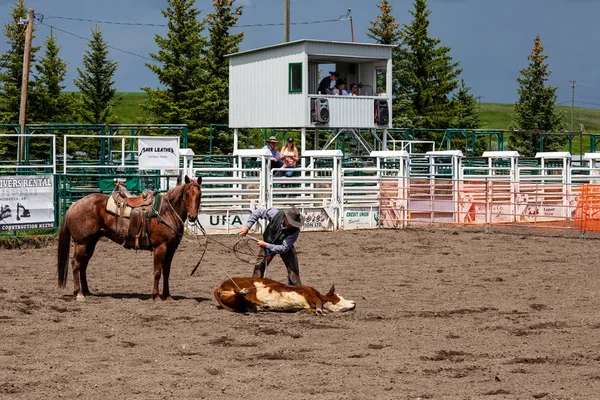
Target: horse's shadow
139,296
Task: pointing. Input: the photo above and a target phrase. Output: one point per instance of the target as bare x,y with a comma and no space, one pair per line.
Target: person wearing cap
340,88
289,156
271,145
279,238
325,85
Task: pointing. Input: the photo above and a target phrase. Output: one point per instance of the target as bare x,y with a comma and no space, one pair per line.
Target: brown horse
87,221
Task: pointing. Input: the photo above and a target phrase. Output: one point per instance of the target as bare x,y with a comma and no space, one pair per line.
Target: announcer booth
277,87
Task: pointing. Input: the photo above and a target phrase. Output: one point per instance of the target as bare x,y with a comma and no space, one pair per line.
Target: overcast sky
491,39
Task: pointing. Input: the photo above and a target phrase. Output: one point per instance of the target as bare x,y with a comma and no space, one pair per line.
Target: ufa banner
26,202
158,152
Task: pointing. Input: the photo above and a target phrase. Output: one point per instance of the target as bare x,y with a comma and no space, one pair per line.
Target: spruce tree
220,43
54,105
97,91
467,116
11,77
386,31
535,109
432,75
11,63
95,81
180,71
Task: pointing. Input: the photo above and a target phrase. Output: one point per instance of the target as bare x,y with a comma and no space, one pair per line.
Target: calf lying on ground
259,294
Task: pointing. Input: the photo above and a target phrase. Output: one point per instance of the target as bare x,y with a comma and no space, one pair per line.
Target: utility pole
351,24
25,81
479,101
286,21
573,86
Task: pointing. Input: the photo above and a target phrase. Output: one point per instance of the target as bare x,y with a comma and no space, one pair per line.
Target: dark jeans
290,259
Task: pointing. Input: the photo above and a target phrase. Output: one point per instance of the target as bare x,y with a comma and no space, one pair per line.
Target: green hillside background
493,116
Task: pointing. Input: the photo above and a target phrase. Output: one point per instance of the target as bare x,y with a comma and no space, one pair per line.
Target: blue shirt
274,152
269,214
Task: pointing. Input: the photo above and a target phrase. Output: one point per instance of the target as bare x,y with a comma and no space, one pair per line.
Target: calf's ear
331,291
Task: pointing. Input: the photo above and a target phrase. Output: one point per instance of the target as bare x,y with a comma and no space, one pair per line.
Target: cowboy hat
294,217
272,139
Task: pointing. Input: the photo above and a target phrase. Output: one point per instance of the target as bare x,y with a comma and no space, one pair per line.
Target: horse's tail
64,245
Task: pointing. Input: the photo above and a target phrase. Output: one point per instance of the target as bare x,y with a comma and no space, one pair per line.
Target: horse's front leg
160,255
166,271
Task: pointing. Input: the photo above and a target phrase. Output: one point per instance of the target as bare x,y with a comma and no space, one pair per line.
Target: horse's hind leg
81,257
83,267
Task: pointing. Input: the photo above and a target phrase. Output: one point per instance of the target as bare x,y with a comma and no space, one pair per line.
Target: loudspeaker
319,110
382,114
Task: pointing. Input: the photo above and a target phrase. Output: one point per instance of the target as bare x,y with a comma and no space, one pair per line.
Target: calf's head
336,303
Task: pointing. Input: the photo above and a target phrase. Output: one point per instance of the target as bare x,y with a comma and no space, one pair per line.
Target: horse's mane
176,193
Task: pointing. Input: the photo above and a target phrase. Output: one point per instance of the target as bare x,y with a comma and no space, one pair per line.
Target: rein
207,238
167,223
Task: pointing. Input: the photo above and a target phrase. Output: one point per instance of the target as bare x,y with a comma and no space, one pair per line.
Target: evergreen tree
11,63
95,81
386,31
535,109
467,116
54,105
180,70
97,91
221,42
432,75
11,77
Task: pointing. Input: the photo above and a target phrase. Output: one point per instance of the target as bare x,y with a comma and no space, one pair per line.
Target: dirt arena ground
441,314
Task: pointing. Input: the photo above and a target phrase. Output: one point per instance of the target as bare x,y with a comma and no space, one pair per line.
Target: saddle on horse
135,212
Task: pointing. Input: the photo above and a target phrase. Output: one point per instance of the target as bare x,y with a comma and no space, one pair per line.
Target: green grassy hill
498,116
128,109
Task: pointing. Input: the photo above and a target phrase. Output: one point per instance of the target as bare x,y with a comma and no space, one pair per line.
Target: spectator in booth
325,87
354,89
340,88
289,156
275,158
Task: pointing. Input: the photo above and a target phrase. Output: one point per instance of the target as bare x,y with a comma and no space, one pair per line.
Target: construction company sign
26,202
316,220
158,152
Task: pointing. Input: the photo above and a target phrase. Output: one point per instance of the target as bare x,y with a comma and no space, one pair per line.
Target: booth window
295,78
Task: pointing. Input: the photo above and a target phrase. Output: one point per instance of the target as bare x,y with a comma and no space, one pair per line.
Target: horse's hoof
169,298
157,299
80,297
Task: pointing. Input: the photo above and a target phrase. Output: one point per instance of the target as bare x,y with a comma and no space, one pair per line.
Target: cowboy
275,158
279,238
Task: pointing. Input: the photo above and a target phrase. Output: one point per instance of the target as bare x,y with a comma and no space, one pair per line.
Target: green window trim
295,77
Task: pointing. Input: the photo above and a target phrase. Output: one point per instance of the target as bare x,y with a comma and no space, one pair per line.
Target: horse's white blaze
275,300
340,306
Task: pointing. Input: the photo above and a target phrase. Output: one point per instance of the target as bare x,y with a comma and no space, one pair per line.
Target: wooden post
25,81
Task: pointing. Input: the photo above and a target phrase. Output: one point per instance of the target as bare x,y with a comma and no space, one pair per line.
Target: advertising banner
26,202
360,218
158,153
215,222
